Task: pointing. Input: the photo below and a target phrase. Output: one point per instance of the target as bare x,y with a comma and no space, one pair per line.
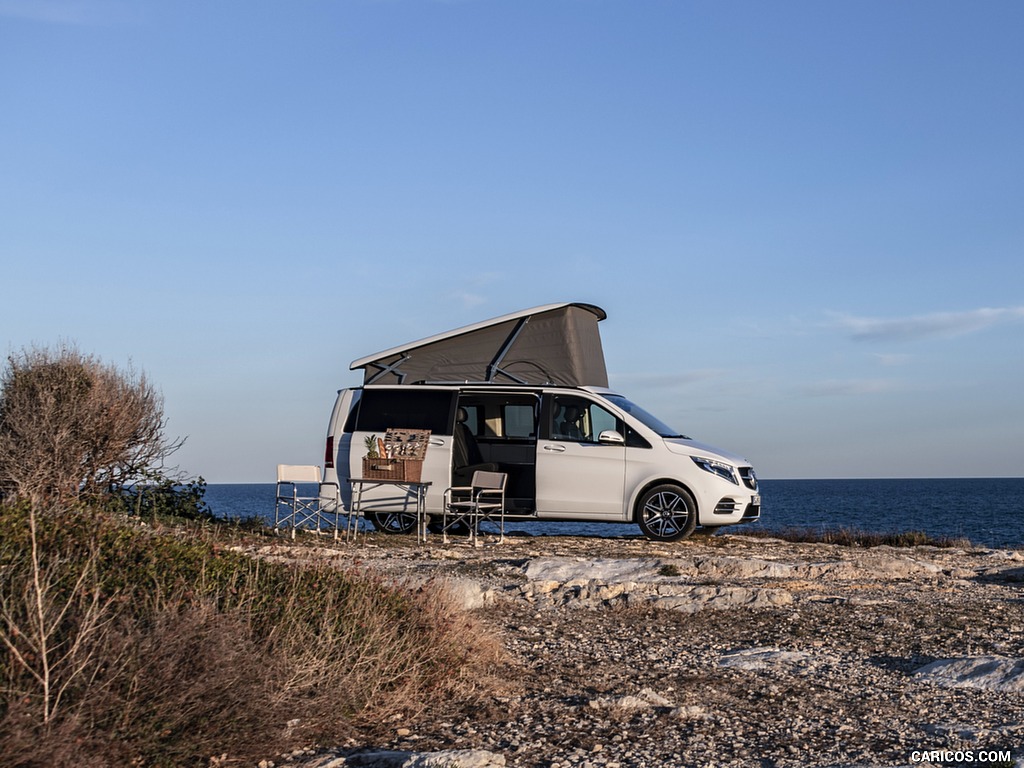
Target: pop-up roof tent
552,344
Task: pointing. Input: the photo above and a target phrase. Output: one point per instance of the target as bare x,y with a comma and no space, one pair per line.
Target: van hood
686,447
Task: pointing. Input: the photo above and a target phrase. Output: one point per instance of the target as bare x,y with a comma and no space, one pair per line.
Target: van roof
549,344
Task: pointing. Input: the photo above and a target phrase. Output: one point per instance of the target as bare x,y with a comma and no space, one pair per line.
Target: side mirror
611,437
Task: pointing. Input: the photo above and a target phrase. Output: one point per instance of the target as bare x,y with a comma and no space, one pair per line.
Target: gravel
603,671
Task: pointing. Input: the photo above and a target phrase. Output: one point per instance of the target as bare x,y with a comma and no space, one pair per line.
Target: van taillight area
329,453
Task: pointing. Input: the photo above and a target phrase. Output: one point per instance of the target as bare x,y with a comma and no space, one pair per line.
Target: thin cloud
469,300
847,387
475,289
666,380
937,324
893,360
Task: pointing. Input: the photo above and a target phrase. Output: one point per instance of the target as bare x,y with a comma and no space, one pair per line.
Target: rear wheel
667,513
392,522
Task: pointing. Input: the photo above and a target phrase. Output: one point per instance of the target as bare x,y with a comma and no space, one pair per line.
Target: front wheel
667,513
392,522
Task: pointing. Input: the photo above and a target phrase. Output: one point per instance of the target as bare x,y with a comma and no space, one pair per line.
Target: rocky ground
720,651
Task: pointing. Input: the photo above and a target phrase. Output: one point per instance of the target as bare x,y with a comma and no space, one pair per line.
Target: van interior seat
466,455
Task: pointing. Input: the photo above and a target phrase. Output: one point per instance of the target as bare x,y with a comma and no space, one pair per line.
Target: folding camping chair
294,510
483,499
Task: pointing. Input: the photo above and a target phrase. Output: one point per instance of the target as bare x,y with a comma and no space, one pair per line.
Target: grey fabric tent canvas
552,344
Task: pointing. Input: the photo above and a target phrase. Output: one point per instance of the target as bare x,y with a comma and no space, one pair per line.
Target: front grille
749,478
727,507
752,512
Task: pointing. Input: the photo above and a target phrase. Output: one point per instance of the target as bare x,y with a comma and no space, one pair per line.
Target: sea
987,511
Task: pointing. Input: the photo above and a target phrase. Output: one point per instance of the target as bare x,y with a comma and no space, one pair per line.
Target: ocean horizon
987,511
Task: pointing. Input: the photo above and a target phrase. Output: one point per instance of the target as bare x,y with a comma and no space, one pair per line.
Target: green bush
162,499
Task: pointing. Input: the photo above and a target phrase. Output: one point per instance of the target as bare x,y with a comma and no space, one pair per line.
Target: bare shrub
53,619
183,650
187,685
198,685
70,425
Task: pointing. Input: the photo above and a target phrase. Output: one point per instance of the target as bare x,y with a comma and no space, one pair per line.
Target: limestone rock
762,658
580,571
452,758
693,599
646,699
993,673
468,594
456,758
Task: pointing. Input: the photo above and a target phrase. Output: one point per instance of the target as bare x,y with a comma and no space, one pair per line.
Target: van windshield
647,419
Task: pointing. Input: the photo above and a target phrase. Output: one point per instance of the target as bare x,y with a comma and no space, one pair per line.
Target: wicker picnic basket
403,454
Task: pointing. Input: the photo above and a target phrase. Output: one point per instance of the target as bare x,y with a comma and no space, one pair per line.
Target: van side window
472,418
578,420
518,420
381,409
635,440
350,421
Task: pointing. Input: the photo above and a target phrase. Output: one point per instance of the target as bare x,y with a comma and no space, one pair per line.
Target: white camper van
527,394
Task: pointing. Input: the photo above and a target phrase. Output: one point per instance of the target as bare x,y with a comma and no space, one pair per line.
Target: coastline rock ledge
721,651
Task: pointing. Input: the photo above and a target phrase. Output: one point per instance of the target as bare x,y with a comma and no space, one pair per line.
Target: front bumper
732,509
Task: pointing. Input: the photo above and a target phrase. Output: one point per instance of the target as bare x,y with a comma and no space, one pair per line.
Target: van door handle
436,441
555,448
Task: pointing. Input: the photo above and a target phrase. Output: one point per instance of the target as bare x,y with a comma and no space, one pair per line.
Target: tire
666,513
392,522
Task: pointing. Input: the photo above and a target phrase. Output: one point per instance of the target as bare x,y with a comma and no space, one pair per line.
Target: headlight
723,470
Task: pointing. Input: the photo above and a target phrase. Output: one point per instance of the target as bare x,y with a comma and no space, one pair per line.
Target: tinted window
600,420
518,420
473,418
579,420
405,409
350,422
644,417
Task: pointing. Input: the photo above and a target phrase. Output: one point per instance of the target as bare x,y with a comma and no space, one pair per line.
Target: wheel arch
634,502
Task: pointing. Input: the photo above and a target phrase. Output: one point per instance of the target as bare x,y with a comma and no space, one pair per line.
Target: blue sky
804,219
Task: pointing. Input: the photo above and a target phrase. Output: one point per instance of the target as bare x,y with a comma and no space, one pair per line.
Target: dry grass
851,537
182,651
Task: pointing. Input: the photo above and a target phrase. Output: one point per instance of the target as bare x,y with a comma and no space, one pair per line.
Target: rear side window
473,418
350,422
518,420
382,409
